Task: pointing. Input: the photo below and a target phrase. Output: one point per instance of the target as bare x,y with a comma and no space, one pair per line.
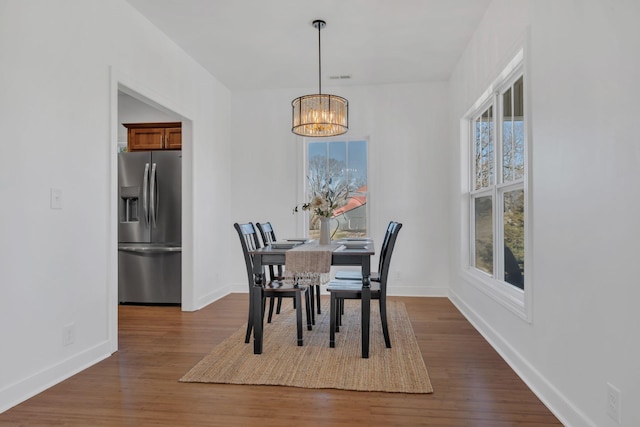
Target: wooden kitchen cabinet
154,136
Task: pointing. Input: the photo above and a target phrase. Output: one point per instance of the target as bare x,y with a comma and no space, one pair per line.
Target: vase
325,230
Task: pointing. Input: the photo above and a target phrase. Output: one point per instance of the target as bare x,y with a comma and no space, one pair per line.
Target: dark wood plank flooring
139,385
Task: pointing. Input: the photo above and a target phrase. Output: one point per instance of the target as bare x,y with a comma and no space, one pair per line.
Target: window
497,190
339,166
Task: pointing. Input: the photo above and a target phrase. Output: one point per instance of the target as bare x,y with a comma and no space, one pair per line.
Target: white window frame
508,295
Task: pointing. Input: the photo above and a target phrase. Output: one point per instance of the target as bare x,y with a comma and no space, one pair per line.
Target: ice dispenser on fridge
129,206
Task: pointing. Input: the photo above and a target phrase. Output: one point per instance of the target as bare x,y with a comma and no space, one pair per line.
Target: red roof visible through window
353,202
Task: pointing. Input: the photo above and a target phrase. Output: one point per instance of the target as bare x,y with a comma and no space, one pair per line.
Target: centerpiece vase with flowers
322,205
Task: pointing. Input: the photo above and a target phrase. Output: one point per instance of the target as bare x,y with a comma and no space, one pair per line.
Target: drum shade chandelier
320,114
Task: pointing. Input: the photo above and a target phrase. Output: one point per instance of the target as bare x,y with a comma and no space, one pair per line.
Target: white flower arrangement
324,203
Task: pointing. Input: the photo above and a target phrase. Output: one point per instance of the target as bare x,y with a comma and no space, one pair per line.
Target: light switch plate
56,198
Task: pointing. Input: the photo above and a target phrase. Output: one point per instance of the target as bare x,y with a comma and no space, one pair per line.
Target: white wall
406,125
58,128
582,70
55,116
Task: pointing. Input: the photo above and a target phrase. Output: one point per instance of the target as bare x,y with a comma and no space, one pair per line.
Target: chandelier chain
319,25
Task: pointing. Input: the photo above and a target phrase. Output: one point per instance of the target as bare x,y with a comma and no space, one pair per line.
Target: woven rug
315,365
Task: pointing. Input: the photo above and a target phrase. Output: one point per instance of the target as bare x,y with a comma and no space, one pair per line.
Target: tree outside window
497,193
339,168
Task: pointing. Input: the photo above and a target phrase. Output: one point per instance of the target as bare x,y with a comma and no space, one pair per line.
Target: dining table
341,255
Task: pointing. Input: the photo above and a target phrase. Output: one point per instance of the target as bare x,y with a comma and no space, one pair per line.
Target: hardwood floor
139,385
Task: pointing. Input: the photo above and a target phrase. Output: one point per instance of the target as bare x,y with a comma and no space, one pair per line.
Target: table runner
309,264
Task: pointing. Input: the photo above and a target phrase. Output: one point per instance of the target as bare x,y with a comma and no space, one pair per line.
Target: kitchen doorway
149,204
132,101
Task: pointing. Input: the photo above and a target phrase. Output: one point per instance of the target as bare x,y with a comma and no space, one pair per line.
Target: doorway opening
149,205
132,101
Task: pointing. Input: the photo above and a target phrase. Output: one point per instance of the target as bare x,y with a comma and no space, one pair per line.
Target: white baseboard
212,297
398,291
18,392
558,404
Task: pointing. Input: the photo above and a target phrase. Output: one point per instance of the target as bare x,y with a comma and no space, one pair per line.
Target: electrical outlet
68,334
614,403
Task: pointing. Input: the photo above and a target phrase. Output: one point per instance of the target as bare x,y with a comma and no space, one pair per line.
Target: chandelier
320,114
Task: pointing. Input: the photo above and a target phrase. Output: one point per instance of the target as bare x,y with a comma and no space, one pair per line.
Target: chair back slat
266,232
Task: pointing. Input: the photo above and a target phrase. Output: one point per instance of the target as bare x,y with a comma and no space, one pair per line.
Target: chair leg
271,303
313,306
385,325
318,298
299,317
333,312
307,303
279,305
247,337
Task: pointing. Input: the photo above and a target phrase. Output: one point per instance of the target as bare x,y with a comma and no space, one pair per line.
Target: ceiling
271,44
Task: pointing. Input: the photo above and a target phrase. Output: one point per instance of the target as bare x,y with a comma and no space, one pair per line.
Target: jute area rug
398,369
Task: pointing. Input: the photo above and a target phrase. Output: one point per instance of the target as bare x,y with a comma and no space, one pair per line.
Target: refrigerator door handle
154,195
145,192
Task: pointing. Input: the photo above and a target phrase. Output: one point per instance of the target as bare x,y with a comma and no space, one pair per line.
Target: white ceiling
271,44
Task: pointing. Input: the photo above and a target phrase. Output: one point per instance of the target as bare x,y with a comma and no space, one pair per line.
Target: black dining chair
352,289
270,288
268,236
357,274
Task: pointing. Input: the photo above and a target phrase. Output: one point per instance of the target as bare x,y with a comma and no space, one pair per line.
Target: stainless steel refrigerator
149,227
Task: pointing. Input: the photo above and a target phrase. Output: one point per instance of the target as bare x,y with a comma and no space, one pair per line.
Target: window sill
503,293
